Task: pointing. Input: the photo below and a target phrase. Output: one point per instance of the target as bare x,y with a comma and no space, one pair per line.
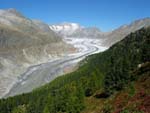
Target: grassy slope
93,87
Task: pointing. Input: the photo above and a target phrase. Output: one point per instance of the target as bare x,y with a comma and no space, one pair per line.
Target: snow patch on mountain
75,30
65,29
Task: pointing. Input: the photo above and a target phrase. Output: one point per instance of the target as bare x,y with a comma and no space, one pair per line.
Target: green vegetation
107,72
131,89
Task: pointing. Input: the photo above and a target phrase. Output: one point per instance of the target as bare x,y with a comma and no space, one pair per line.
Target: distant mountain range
75,30
65,29
109,38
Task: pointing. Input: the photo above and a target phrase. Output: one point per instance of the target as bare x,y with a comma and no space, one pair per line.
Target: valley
113,81
74,56
38,75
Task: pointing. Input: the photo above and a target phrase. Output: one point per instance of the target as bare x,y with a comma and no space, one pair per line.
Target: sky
104,14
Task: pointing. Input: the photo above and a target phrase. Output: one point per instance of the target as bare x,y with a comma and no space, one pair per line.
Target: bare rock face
23,43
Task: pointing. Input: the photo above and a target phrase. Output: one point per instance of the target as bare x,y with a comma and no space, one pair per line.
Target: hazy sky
105,14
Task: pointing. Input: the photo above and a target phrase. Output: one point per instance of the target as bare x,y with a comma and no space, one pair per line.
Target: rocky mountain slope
31,32
24,42
114,81
118,34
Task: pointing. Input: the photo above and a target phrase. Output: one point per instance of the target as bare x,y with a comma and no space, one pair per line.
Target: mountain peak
65,28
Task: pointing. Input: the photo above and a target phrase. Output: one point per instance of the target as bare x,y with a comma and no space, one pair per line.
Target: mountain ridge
119,33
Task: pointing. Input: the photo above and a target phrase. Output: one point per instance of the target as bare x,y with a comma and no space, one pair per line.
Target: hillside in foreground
114,81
